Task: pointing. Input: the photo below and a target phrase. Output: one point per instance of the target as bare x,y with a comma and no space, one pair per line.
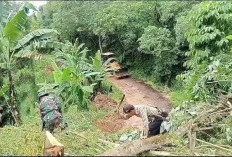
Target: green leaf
66,74
229,37
92,74
14,28
37,34
88,89
57,76
97,63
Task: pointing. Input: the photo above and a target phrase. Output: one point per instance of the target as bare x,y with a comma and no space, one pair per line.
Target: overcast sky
36,3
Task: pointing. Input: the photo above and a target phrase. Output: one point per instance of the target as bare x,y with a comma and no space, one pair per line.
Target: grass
179,94
28,138
116,94
40,72
178,97
150,80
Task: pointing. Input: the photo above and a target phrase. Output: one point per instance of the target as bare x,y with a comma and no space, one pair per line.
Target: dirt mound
110,124
49,69
103,101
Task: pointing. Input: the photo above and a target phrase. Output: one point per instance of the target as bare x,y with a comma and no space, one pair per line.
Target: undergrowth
150,80
116,93
82,139
83,135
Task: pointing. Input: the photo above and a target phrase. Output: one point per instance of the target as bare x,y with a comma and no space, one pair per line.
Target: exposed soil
110,124
136,92
49,69
102,101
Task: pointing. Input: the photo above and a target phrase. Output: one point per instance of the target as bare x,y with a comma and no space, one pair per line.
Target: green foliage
38,37
170,11
208,58
4,12
208,31
76,76
29,140
10,45
181,28
159,42
156,41
179,95
116,93
14,27
70,18
117,26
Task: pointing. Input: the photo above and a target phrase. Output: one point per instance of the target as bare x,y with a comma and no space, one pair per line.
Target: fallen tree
135,147
209,118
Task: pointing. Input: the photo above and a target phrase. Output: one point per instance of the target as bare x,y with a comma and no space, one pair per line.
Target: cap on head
41,94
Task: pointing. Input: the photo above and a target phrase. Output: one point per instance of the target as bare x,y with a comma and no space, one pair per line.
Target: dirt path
136,92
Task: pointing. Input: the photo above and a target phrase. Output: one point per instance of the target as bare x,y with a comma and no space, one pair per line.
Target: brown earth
136,92
102,101
49,69
110,124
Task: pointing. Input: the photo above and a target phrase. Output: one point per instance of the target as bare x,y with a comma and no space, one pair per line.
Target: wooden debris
214,145
161,153
52,147
135,147
206,120
118,106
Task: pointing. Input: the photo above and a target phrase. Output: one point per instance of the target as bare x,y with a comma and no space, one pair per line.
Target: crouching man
152,118
50,111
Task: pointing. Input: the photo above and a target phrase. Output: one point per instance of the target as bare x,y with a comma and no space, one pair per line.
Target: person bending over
152,117
50,110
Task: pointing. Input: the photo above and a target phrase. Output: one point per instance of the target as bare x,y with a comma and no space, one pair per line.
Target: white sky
36,3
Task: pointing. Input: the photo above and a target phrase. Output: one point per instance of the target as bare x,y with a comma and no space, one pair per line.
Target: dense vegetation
161,40
184,46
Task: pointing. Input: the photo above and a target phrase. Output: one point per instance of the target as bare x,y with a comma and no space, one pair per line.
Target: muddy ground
136,92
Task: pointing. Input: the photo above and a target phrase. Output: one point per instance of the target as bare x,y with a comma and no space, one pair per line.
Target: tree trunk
14,110
135,147
34,81
52,147
100,43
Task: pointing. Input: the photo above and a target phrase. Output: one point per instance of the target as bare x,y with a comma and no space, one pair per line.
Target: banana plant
73,84
13,45
78,76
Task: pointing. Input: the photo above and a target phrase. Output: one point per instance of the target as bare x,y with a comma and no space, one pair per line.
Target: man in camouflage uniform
50,110
152,117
